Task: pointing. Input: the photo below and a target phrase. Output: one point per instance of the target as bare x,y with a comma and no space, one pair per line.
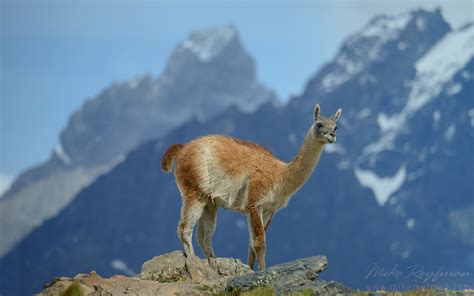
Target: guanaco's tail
169,157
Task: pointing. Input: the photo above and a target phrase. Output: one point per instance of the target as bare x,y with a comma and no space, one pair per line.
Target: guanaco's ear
336,115
317,110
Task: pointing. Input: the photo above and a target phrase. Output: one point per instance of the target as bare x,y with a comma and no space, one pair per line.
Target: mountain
205,74
394,192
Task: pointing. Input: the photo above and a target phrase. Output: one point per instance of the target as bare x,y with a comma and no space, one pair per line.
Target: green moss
253,292
307,292
258,292
74,289
168,278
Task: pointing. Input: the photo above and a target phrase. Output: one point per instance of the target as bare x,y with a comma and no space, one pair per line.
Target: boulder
296,276
174,266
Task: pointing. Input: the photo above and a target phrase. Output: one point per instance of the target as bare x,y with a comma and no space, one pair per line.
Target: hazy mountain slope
205,74
421,215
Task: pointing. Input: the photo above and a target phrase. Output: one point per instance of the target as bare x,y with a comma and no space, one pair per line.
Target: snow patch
386,123
449,133
439,65
59,151
364,113
471,115
436,116
465,74
406,254
415,175
386,27
333,80
208,44
343,165
345,69
411,223
335,148
402,46
382,187
384,143
454,89
421,23
122,266
5,183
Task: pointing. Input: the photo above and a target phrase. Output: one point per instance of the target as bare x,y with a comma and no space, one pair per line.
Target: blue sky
56,54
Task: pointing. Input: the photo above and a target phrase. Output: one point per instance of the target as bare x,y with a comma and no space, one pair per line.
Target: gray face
325,128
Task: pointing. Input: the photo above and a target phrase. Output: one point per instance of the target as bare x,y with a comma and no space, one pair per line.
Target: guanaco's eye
319,124
335,128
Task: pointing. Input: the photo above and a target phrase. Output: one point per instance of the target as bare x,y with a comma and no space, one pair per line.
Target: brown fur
242,157
169,156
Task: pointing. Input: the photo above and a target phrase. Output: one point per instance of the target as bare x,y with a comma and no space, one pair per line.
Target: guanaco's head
325,128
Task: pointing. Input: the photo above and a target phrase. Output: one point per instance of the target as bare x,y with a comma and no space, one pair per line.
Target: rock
174,266
169,267
200,271
229,267
93,284
295,276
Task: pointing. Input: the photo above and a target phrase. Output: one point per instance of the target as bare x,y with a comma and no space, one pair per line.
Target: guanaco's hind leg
206,228
257,237
191,211
267,218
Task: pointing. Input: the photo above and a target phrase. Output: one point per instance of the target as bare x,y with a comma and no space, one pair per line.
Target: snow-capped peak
433,71
208,43
365,46
381,30
386,27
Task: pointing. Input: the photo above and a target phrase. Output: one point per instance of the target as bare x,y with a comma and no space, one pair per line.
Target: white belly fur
225,190
231,192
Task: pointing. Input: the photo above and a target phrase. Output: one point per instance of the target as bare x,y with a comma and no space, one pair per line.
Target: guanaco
219,171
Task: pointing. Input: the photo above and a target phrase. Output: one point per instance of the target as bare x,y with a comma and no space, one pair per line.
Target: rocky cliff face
394,189
205,74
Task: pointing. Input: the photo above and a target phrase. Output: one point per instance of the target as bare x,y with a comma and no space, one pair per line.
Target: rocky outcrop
174,274
212,274
296,276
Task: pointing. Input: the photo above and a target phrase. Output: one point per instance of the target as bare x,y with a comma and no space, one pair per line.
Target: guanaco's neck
300,168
